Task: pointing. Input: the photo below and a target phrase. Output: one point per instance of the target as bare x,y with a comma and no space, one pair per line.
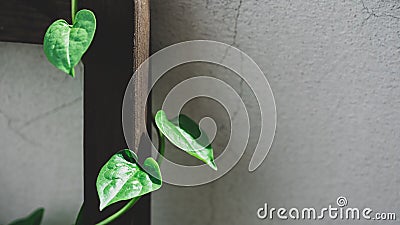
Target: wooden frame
121,44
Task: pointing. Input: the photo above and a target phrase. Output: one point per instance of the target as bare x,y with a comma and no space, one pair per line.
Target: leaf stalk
74,9
119,212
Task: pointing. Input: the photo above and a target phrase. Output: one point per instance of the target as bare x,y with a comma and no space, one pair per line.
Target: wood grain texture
141,53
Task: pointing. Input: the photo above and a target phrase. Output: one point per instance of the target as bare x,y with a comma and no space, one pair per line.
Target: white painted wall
41,162
334,68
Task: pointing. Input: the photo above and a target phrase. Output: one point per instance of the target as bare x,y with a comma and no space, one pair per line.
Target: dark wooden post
109,66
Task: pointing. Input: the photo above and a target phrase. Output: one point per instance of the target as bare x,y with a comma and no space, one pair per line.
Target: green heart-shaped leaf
185,134
121,178
64,45
34,218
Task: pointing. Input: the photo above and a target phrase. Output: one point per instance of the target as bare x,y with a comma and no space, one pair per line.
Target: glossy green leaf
121,178
34,218
64,44
185,134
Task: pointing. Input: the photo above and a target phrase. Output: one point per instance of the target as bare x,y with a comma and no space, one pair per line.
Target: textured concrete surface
41,162
334,68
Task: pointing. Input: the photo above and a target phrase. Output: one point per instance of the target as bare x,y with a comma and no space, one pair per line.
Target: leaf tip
153,169
101,207
160,113
103,204
213,166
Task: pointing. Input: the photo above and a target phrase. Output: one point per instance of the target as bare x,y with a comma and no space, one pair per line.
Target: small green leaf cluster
122,178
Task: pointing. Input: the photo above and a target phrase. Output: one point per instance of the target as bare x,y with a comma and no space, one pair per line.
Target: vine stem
74,8
119,212
161,150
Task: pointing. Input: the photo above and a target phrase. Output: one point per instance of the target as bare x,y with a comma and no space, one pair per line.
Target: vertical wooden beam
141,85
141,53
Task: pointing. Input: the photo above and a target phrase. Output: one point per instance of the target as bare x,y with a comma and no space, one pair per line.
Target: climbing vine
121,178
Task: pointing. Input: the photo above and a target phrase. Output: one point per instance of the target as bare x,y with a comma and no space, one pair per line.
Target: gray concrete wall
41,162
334,68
